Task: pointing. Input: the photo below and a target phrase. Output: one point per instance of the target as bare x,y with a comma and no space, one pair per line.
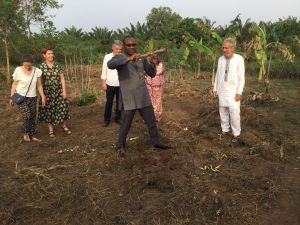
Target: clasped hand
134,57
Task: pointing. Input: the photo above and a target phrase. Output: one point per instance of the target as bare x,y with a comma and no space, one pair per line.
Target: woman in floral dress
56,111
155,87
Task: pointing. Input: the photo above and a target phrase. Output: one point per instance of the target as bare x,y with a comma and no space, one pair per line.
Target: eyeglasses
130,45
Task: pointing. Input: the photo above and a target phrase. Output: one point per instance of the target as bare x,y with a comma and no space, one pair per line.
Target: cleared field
203,179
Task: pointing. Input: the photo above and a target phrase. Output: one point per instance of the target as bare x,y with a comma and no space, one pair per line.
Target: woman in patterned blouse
155,87
56,110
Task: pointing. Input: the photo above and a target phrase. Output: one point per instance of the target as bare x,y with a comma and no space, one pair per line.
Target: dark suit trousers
148,115
111,92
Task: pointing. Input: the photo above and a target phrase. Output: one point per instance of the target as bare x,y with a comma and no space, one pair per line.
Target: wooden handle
155,52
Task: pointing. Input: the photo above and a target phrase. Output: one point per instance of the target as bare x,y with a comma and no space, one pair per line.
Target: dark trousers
111,92
148,115
28,110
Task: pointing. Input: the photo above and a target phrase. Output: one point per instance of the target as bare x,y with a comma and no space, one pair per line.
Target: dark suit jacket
132,84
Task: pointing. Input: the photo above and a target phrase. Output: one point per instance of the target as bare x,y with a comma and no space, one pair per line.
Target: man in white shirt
228,86
110,84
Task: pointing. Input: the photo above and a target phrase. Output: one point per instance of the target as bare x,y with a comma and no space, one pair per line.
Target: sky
114,14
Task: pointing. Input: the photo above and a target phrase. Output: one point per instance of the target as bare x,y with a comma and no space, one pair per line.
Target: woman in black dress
56,111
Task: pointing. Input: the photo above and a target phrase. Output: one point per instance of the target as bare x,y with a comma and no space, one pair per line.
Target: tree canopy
162,28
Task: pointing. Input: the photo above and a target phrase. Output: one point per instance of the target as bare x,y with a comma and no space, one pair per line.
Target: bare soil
203,179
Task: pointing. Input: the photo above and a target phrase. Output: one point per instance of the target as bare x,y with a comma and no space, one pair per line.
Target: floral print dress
155,88
56,109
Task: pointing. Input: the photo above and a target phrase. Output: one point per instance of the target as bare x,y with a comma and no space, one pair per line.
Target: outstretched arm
117,61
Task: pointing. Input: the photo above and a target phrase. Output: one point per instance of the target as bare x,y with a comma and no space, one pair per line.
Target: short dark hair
27,58
127,37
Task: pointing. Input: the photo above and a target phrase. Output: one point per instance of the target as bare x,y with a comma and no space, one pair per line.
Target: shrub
86,98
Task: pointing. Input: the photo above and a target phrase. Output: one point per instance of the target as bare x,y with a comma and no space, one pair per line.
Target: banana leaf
217,37
201,48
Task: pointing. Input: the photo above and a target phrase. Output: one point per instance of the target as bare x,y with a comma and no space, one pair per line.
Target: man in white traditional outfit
228,86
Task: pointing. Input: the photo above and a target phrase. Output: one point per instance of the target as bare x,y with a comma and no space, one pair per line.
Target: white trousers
230,117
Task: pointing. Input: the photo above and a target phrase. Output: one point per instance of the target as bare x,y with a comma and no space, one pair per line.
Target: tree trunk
81,70
269,65
7,59
29,30
199,66
213,71
267,82
181,72
27,16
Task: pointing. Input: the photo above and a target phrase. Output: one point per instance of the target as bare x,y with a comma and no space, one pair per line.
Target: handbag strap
30,81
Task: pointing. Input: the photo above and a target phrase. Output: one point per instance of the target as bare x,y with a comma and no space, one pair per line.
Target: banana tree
201,49
211,52
183,61
216,50
149,45
261,47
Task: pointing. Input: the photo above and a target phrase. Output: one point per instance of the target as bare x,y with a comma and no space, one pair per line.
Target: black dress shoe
105,124
118,121
121,152
161,146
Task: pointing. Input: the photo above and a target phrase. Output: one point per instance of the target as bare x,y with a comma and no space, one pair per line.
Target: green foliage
200,47
260,45
185,55
150,45
178,32
281,68
189,40
160,22
86,98
173,57
11,17
35,13
217,37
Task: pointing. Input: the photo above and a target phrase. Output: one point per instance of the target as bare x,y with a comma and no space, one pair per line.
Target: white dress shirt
111,76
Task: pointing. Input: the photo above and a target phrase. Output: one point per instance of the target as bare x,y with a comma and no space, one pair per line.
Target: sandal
66,130
51,134
223,134
36,139
235,139
26,138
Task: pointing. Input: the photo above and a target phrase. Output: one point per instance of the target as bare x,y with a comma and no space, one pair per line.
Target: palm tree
74,32
103,35
240,30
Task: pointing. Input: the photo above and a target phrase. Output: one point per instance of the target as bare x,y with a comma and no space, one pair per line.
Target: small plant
86,98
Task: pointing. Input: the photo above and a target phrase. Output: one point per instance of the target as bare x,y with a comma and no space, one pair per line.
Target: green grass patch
86,98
